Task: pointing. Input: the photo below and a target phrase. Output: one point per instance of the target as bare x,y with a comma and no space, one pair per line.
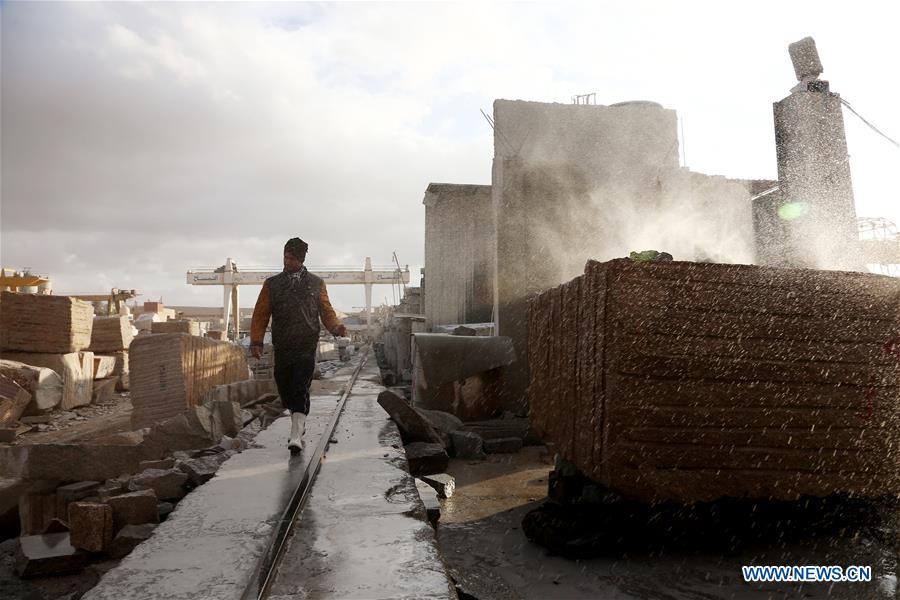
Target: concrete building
815,208
578,182
459,254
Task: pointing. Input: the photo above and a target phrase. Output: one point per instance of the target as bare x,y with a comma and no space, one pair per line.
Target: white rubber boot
298,427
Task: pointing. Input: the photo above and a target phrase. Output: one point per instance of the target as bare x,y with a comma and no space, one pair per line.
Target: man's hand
256,351
341,331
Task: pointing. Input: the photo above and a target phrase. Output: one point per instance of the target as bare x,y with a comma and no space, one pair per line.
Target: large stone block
13,400
48,324
65,462
90,526
111,334
426,459
171,372
413,427
134,508
44,384
74,492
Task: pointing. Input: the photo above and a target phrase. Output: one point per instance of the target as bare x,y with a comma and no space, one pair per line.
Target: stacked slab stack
691,382
170,372
191,327
113,336
50,331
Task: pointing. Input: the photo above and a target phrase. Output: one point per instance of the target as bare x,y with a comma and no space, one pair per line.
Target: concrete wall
459,253
814,173
569,182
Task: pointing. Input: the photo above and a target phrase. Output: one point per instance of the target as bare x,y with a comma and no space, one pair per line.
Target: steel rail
259,585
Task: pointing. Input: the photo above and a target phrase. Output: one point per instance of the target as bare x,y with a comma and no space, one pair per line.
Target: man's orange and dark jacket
295,302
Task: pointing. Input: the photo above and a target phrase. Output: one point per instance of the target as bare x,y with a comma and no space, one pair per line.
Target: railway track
260,584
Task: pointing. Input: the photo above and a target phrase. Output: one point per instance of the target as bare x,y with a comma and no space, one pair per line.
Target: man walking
295,299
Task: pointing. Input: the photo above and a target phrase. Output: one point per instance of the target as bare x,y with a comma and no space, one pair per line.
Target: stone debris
467,444
164,509
442,421
413,427
56,525
134,508
430,500
128,538
442,483
165,463
90,525
200,470
507,445
50,554
426,459
167,484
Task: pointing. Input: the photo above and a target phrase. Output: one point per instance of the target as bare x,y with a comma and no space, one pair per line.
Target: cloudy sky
142,139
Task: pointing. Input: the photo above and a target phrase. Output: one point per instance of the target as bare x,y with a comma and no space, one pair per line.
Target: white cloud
147,138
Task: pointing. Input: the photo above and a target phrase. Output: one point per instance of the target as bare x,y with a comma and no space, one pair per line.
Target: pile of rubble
431,437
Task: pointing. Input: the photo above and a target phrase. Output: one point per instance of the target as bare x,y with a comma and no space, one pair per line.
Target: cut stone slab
165,463
509,445
426,459
430,500
134,508
40,323
167,484
74,492
128,539
500,428
413,426
104,366
111,334
50,554
442,483
467,444
442,421
90,526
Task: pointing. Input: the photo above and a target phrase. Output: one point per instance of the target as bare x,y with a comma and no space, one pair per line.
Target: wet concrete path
363,531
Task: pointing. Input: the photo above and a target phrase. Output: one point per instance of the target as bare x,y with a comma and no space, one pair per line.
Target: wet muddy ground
481,538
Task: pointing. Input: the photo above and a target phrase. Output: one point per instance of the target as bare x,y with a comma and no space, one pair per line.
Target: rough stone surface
426,459
164,509
56,525
442,483
164,463
50,554
90,526
200,470
413,427
134,508
509,445
128,538
467,444
442,421
168,484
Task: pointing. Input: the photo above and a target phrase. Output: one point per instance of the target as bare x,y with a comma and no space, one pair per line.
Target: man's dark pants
293,375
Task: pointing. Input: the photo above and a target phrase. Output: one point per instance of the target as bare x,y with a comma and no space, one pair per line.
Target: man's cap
297,248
